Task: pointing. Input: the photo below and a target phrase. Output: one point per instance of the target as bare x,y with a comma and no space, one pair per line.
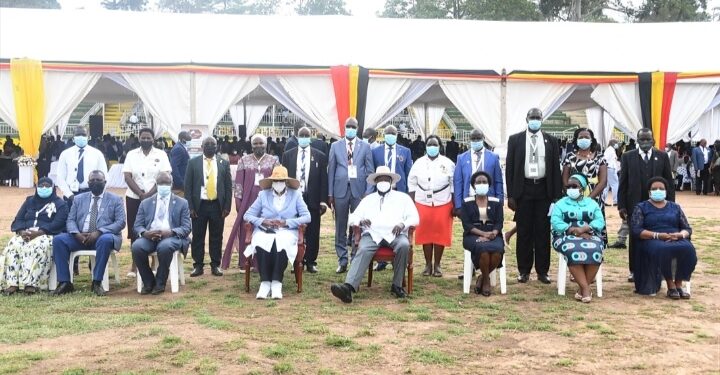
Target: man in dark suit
637,166
452,149
701,156
394,156
533,183
208,190
309,166
292,142
163,226
179,157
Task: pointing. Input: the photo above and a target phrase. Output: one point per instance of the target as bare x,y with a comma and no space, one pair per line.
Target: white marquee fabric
413,92
708,126
479,102
432,112
689,103
382,93
252,112
644,47
315,95
622,102
601,123
217,92
7,103
523,95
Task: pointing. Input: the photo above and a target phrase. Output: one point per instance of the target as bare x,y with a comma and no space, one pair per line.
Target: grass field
213,327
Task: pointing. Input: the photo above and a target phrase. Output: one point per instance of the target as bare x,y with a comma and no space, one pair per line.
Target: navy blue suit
178,161
402,161
464,170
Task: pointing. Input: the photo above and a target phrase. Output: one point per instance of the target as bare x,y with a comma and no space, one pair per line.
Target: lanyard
481,162
43,209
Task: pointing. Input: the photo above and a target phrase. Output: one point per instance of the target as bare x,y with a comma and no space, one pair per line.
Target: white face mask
383,186
278,186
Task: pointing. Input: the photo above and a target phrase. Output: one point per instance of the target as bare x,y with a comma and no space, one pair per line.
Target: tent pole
503,107
193,103
427,124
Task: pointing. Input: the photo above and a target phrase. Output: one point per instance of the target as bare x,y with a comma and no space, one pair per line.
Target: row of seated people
48,229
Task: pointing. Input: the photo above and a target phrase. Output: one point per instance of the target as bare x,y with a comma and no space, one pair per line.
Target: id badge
534,171
352,171
429,196
258,177
75,186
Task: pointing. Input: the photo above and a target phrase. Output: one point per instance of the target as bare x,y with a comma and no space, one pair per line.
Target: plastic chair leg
174,277
467,272
562,275
503,278
599,282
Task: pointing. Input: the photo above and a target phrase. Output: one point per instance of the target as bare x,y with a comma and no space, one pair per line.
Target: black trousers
702,183
209,214
272,265
533,229
312,238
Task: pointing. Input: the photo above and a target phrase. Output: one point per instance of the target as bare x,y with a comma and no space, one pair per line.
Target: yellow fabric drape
29,93
656,104
354,78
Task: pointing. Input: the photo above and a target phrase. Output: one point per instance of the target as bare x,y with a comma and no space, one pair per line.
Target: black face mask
258,151
96,188
146,145
209,150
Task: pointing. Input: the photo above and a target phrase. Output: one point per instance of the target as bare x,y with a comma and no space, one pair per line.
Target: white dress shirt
384,213
206,173
642,154
86,224
161,223
279,200
478,162
93,159
299,164
610,158
427,176
394,156
144,168
540,143
706,155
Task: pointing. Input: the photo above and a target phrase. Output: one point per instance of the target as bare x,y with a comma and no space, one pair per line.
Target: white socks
276,287
264,290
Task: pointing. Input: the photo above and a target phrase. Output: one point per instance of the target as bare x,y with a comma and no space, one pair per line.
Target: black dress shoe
312,268
398,291
523,278
98,289
10,290
158,290
543,278
63,288
342,292
341,269
381,266
197,271
631,278
618,245
216,271
146,290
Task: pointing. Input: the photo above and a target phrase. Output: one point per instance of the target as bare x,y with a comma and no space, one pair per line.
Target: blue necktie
390,158
80,167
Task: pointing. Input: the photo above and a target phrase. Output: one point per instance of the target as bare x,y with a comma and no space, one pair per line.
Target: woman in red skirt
430,184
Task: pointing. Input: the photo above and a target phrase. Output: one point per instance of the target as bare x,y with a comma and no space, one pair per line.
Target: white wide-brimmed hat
383,171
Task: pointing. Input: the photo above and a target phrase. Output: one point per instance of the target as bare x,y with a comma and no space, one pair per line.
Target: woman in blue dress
662,233
577,223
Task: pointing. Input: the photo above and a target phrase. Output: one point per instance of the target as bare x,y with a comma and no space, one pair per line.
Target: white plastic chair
468,270
52,281
176,276
562,277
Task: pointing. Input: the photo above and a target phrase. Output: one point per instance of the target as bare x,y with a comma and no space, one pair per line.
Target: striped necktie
92,225
302,167
390,158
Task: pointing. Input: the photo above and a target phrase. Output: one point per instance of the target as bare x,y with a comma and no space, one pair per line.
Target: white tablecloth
115,177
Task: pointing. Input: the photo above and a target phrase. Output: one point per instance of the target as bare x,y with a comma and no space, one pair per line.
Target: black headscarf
39,202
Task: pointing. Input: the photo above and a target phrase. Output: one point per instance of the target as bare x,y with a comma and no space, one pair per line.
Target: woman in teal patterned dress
25,263
577,222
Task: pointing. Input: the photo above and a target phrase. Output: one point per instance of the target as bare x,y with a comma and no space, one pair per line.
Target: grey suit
347,192
110,222
180,225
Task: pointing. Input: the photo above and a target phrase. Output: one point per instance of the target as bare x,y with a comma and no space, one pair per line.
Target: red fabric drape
341,84
668,92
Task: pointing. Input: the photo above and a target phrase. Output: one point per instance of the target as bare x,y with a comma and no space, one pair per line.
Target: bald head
534,114
351,121
184,136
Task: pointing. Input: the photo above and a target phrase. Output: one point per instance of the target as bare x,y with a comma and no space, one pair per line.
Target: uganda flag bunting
656,95
350,84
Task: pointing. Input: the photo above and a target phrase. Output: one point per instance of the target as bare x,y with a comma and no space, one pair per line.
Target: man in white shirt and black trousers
76,163
385,217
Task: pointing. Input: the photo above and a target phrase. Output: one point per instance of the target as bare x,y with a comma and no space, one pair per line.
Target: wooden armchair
386,254
298,265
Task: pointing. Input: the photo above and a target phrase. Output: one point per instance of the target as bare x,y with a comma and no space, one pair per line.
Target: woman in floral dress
251,169
26,261
587,160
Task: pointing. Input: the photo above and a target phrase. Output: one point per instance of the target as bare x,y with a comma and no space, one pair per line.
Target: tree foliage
136,5
39,4
220,6
320,7
509,10
672,11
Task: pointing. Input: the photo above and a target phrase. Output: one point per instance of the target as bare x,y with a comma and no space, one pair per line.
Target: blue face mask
482,189
573,193
44,192
390,139
80,140
164,190
658,195
350,133
304,142
432,151
534,125
584,143
477,146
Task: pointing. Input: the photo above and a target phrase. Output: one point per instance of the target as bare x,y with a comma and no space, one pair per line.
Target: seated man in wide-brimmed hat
385,217
276,215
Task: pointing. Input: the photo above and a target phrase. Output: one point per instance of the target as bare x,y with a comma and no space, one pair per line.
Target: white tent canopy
82,35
